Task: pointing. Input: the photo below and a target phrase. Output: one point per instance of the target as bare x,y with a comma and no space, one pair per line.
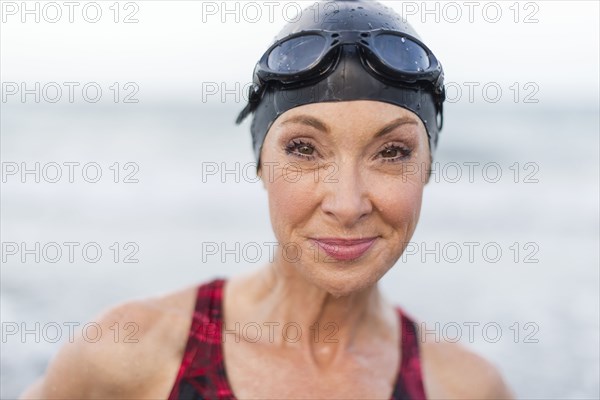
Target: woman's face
340,171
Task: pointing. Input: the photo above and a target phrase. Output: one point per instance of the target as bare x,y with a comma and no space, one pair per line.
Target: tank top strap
202,371
410,380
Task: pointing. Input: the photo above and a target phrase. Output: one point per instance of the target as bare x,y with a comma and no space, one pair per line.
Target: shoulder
119,351
450,370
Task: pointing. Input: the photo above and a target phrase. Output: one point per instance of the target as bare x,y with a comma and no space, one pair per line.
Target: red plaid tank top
202,373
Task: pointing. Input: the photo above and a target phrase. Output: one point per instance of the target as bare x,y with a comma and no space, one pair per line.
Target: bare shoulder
120,351
451,371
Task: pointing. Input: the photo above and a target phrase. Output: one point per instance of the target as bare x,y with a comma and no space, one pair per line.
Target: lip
345,249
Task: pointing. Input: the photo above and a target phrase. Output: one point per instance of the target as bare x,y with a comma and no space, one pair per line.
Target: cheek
400,204
291,202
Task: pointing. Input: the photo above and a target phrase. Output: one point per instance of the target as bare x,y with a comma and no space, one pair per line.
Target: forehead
353,113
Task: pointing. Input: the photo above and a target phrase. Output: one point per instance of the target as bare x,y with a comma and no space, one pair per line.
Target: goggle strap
244,113
254,96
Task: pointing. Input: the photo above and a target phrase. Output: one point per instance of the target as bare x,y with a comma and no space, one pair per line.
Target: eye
300,149
395,153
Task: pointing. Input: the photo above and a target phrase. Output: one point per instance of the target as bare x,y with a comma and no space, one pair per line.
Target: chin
343,279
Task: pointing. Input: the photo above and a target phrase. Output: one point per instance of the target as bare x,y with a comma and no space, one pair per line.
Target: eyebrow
308,120
395,124
317,124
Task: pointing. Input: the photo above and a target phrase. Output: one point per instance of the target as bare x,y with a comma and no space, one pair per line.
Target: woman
347,111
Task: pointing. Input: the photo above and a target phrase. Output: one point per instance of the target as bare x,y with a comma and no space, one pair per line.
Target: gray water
170,212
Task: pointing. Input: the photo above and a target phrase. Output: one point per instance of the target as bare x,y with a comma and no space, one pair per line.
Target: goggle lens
296,54
401,53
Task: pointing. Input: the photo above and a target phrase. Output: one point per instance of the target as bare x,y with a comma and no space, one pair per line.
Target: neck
328,325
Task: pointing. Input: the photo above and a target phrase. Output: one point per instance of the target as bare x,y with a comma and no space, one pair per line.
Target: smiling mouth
345,249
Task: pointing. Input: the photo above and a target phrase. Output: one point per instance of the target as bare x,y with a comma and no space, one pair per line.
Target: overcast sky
177,45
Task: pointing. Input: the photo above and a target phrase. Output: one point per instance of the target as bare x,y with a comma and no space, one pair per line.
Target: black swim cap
351,77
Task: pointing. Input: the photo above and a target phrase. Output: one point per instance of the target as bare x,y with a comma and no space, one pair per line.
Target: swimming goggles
304,58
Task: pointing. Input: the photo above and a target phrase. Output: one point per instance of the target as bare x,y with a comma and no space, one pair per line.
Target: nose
346,197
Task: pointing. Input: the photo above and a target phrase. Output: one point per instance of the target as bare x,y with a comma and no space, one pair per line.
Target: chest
257,371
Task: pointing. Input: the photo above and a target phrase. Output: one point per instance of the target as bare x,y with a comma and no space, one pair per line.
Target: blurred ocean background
171,212
548,310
